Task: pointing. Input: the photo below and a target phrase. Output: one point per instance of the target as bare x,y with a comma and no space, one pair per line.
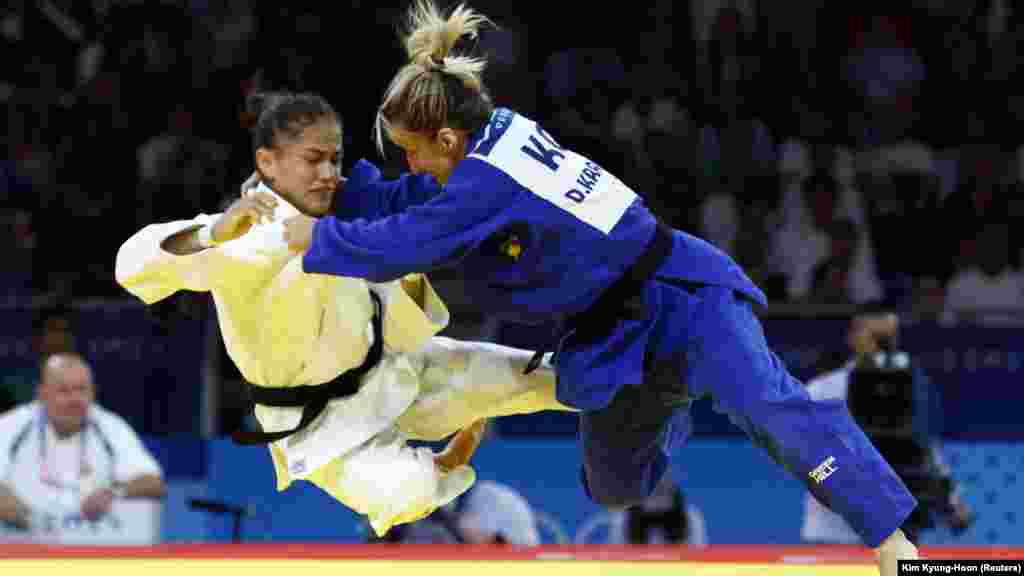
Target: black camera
881,393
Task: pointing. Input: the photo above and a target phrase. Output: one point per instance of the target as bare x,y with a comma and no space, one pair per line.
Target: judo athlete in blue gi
654,318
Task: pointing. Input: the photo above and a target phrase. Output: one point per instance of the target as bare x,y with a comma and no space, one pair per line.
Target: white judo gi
283,327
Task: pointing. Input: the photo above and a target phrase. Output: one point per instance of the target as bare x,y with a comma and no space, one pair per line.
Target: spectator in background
746,147
232,26
731,64
493,513
979,202
670,143
17,243
629,137
886,70
180,173
891,201
509,72
583,86
802,240
654,136
809,160
990,291
53,334
720,218
64,461
831,279
959,71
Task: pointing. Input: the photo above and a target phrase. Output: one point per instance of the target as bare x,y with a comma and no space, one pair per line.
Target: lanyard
47,472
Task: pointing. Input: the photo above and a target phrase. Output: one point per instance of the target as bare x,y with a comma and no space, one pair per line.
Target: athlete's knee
388,476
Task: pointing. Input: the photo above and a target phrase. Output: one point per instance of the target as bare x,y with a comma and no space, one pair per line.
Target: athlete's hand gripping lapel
298,232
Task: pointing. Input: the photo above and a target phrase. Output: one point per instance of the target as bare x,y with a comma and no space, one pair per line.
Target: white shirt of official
53,479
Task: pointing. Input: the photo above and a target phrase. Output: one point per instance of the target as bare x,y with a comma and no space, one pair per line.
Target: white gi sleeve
151,273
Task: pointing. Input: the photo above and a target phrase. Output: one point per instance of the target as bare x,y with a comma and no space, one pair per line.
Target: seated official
71,471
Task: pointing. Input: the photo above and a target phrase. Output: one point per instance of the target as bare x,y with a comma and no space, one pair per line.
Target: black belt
620,300
313,399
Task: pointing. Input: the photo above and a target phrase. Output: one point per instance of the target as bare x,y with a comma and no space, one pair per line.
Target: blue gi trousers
708,343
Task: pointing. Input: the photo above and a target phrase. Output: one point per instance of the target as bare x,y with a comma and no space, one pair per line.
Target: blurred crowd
842,153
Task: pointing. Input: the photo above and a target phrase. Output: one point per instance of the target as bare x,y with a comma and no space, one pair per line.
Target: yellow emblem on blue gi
512,248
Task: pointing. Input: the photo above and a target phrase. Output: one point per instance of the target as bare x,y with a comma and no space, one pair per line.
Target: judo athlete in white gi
290,332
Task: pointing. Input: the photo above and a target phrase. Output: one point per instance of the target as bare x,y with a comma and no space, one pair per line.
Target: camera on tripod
881,394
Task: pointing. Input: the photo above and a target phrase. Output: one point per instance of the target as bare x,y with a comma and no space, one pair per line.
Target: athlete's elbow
125,266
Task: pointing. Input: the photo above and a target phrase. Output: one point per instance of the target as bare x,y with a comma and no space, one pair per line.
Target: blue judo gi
543,232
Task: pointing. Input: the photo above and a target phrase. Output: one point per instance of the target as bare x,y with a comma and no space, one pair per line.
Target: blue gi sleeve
419,239
367,195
